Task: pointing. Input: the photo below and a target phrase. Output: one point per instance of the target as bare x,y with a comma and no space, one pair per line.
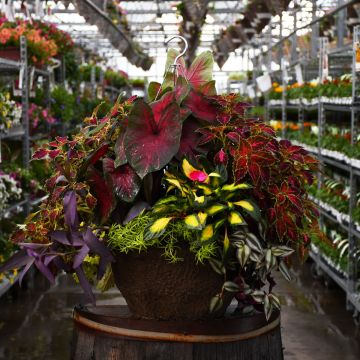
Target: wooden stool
110,333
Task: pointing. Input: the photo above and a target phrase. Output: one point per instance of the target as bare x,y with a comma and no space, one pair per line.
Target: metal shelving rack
319,55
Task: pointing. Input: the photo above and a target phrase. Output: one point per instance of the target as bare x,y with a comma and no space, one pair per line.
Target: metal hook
175,64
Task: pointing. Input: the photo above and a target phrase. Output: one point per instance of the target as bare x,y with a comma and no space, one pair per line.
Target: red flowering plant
188,166
44,40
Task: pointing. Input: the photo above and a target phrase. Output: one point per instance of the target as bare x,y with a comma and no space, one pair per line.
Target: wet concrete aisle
36,324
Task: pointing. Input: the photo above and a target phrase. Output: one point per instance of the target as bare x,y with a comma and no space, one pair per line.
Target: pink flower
198,175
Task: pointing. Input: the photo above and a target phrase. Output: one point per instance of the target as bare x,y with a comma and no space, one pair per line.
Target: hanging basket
154,288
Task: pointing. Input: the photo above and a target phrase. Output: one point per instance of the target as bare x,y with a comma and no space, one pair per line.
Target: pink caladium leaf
119,150
199,74
153,135
126,183
103,193
201,107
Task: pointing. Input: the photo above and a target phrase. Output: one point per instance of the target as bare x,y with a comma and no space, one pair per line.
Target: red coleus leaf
221,158
103,194
153,135
233,136
40,154
125,181
201,107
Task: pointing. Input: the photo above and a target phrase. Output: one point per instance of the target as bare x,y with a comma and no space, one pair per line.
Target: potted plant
191,201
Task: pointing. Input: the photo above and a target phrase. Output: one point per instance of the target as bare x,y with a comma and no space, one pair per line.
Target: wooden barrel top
118,321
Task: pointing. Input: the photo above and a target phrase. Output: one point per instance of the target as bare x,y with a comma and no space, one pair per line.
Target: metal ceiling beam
150,11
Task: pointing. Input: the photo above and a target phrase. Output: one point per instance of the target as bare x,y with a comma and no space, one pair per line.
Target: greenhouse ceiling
138,29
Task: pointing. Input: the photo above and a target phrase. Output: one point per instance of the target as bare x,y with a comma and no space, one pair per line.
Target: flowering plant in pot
186,189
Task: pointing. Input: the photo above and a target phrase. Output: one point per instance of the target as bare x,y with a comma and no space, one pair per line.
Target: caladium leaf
119,150
153,135
154,89
98,154
125,181
198,74
208,88
103,194
190,139
201,107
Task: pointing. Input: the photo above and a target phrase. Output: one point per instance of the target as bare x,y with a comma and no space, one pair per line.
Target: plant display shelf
328,62
352,297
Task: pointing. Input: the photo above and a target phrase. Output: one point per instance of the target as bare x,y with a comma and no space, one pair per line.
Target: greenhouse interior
179,180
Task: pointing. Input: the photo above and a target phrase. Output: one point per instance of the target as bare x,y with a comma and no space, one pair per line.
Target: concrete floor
36,324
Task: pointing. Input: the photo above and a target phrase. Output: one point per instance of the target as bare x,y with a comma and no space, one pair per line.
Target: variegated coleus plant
126,162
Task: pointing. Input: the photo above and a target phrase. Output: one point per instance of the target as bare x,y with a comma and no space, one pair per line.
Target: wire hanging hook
175,64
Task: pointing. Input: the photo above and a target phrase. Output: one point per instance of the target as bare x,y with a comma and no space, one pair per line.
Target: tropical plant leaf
250,207
235,219
154,89
126,183
153,135
216,303
207,233
284,271
214,209
217,266
243,252
103,194
201,107
281,250
234,187
157,228
231,286
193,222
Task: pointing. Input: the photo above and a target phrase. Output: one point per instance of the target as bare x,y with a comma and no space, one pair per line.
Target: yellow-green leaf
236,219
206,189
207,233
199,199
215,174
188,168
226,242
157,228
233,187
250,207
202,217
212,210
246,205
192,221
